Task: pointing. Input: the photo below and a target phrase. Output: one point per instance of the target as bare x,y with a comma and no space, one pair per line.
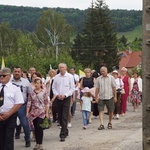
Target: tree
136,45
98,42
52,30
123,40
7,39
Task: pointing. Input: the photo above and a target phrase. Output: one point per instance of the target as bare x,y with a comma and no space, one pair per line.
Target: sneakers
41,147
36,147
117,116
69,125
84,127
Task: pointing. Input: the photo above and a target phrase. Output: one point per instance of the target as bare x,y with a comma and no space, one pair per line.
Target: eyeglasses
3,75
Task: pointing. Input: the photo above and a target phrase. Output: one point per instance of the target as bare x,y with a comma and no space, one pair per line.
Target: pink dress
125,96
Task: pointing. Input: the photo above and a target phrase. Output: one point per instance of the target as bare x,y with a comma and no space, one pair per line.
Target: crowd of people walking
27,100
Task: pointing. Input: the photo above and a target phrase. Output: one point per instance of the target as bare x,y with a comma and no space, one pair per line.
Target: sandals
109,126
101,127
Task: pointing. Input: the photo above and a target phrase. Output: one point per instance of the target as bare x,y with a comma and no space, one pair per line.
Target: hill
25,18
131,35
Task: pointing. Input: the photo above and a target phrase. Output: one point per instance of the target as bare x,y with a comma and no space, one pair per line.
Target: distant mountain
25,18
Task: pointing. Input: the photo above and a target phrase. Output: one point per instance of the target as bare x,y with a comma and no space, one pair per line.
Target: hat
5,71
115,71
86,89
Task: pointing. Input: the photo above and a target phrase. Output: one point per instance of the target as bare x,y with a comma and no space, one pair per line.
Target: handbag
122,91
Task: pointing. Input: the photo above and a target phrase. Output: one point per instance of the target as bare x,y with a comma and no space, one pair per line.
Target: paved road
125,135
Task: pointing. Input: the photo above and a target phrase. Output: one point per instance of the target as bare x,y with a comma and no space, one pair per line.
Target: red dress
125,96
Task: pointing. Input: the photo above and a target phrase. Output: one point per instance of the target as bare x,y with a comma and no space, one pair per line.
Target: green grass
137,32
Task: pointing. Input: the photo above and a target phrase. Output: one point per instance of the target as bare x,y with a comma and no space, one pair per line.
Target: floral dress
36,103
135,96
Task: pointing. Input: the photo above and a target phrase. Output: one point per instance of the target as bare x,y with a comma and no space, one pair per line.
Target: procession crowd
32,103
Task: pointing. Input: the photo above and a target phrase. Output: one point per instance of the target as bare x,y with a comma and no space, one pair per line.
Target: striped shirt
105,86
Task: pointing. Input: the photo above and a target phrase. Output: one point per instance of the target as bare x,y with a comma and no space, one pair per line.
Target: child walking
37,110
86,100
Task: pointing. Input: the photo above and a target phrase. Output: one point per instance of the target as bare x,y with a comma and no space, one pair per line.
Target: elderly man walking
63,88
105,95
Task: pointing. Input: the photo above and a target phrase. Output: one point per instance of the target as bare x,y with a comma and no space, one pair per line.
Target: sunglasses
3,75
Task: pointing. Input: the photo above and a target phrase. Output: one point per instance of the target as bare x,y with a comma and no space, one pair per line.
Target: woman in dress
37,110
126,80
33,77
136,91
88,81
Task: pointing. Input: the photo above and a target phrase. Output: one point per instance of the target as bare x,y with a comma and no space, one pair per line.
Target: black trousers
7,129
63,113
54,110
38,130
117,104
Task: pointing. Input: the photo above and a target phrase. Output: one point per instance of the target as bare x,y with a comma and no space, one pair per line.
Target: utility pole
146,74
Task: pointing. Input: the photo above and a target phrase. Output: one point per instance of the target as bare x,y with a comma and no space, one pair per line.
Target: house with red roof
130,59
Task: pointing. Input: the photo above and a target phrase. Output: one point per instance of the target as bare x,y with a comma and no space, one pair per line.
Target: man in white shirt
106,92
63,87
11,101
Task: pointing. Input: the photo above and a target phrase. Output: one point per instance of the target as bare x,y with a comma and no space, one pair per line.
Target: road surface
125,135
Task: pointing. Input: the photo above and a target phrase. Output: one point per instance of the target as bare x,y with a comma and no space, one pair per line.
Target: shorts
109,104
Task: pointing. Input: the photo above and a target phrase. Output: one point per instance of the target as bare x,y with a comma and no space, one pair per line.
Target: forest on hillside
25,18
48,36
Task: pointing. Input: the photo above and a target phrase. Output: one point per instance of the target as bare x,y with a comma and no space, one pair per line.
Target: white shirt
24,86
76,78
119,83
12,96
63,84
139,83
86,105
105,86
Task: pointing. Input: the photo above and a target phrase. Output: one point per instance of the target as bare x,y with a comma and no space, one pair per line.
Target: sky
81,4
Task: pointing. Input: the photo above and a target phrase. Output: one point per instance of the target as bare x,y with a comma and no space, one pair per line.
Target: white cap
115,71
